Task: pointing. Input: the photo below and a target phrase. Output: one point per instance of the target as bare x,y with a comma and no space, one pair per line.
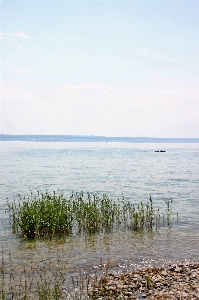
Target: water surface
130,169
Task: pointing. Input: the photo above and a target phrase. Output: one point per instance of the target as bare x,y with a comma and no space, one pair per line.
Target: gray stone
164,273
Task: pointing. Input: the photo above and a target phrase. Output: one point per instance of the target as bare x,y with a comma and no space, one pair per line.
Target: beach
176,281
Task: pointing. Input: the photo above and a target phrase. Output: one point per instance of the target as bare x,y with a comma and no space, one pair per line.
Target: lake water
130,169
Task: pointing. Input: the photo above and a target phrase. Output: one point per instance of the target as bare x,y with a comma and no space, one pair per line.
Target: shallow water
133,170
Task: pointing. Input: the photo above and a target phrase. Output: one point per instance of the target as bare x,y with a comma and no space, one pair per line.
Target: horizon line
100,136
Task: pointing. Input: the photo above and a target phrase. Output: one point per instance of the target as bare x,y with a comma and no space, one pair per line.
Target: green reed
39,280
43,279
41,214
144,216
53,214
94,213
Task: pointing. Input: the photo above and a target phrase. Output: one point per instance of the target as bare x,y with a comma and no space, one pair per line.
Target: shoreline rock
176,281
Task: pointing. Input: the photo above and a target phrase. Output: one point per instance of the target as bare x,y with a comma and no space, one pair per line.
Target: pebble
172,282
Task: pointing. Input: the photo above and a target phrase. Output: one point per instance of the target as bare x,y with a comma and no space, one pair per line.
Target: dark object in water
160,151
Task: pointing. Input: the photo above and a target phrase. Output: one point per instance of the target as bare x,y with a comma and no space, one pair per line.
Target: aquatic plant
145,216
53,214
41,214
41,280
94,213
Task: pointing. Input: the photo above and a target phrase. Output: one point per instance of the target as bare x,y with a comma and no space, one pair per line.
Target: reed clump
53,214
41,214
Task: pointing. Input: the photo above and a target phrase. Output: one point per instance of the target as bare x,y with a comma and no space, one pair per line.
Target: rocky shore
176,281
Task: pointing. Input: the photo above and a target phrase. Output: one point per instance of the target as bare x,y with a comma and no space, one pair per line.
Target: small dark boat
160,151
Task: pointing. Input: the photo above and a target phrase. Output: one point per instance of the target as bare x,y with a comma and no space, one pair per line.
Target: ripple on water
125,251
135,172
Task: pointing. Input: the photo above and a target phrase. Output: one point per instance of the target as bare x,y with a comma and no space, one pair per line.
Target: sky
111,68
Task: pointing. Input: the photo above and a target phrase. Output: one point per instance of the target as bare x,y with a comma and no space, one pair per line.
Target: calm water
134,170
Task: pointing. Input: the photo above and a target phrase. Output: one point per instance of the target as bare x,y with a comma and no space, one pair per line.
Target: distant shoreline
92,138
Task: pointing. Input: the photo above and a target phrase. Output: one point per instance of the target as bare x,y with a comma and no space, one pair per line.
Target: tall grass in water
144,216
53,214
41,214
94,214
39,279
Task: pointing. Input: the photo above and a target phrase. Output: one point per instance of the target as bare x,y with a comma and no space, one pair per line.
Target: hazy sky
114,68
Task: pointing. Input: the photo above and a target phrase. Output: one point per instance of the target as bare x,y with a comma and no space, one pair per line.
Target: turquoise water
130,169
